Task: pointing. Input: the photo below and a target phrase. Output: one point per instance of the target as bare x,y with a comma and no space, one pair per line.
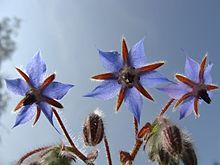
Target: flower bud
168,144
57,155
172,140
93,129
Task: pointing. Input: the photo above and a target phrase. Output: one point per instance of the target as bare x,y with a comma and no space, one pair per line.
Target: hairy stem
27,155
136,148
135,127
107,149
75,149
166,106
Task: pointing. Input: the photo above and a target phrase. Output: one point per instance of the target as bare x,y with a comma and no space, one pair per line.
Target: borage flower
38,95
128,74
193,88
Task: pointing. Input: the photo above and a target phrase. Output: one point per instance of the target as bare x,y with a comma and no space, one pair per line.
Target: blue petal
134,102
152,79
47,110
136,54
175,90
17,86
192,69
25,114
207,74
57,90
111,61
36,70
107,90
186,108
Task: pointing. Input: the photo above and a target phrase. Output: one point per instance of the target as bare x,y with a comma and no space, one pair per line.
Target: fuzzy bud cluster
168,144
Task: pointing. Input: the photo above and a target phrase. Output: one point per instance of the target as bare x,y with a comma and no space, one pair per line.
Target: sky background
68,34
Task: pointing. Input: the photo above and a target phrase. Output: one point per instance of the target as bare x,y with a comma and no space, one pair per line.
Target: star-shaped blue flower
193,88
39,95
128,75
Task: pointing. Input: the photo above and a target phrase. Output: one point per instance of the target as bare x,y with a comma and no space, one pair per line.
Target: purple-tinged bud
188,156
93,129
172,140
168,144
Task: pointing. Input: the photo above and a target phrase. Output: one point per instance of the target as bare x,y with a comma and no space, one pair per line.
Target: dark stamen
128,76
30,99
204,95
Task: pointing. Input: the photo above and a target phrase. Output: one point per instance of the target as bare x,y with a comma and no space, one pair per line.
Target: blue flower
128,75
193,88
39,95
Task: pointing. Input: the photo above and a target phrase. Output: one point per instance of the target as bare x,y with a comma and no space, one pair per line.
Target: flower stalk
76,151
166,106
135,126
27,155
107,149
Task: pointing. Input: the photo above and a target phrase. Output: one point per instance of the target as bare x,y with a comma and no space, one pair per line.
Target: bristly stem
166,106
107,149
135,127
75,149
136,148
22,159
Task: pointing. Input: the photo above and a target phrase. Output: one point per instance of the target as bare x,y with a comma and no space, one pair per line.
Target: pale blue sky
68,34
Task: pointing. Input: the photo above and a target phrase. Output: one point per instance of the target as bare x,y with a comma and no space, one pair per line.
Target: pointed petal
124,51
196,110
17,86
36,70
175,90
185,80
111,61
207,74
212,87
186,108
192,69
26,114
120,98
25,76
137,55
107,90
57,90
37,115
134,102
47,82
202,69
104,76
52,102
47,110
182,99
20,104
150,67
144,92
153,79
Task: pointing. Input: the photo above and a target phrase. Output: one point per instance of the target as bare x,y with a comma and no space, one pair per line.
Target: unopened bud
93,129
57,156
168,144
172,140
188,156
